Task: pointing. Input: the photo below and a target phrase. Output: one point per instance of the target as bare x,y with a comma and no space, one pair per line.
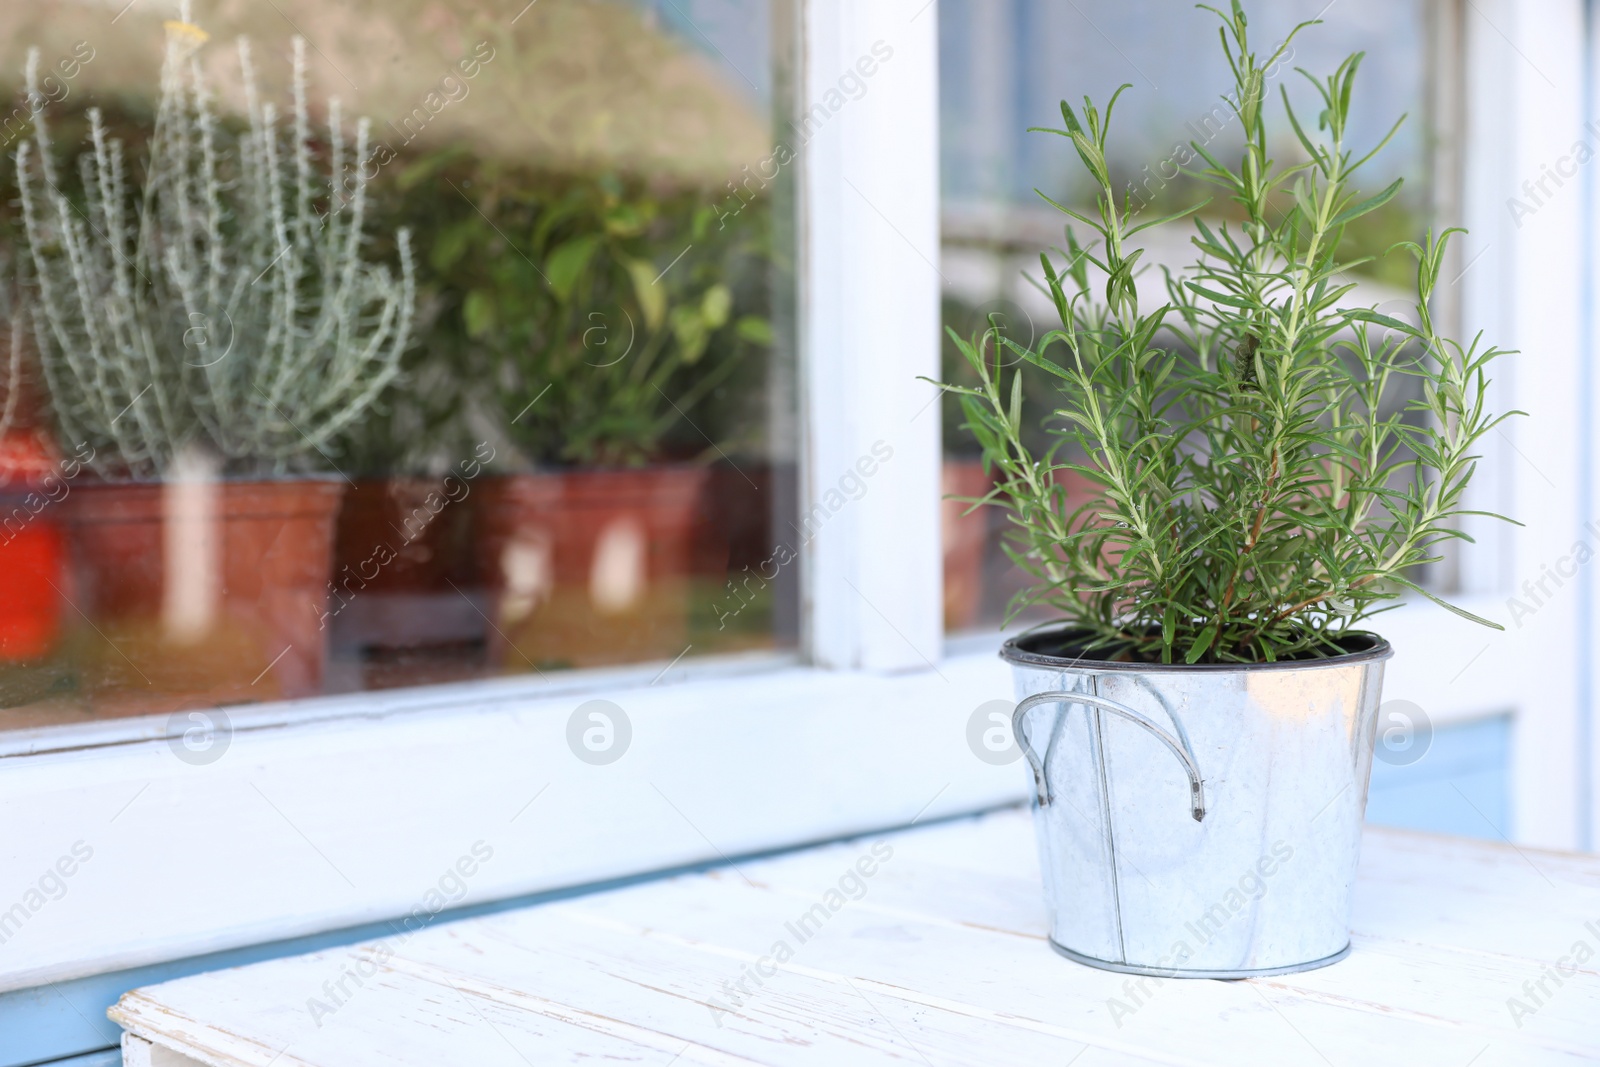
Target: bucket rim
1013,652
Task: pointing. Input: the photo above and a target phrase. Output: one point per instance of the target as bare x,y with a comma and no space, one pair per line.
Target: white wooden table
941,960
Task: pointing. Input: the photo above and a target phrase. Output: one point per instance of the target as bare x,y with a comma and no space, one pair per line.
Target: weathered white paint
935,953
137,1052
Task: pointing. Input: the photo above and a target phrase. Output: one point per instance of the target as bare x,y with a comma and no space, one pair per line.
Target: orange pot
31,555
589,567
31,558
217,588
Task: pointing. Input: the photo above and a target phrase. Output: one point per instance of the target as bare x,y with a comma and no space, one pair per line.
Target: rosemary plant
225,301
1257,491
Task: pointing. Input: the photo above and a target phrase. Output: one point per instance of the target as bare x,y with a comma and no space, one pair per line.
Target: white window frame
1524,71
328,813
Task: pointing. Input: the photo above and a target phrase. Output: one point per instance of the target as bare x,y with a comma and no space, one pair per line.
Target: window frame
1523,82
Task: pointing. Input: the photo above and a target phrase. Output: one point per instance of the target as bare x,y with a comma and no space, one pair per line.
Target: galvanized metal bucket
1198,821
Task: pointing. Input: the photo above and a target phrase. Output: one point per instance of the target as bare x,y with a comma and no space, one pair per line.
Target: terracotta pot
591,566
734,530
404,568
965,537
219,588
414,521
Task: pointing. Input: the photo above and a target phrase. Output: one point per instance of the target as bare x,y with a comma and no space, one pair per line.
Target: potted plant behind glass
1200,726
208,333
604,334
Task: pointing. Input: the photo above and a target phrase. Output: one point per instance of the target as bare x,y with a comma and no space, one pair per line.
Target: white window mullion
867,135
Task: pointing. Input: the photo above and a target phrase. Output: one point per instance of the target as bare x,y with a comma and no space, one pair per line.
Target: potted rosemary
208,332
1200,725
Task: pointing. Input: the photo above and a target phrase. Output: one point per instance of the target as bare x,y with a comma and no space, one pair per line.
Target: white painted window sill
920,946
331,813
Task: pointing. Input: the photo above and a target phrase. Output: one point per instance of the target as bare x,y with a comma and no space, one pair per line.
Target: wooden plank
1442,997
936,956
605,979
1473,894
395,1020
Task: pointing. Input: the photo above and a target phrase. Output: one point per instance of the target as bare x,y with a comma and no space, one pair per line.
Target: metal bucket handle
1196,790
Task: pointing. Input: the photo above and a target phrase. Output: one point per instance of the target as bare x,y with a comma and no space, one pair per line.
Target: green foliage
558,302
1257,493
1363,244
989,321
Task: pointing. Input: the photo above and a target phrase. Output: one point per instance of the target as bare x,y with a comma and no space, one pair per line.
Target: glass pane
404,343
1005,65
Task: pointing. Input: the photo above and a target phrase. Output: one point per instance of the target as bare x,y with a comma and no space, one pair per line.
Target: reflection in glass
405,343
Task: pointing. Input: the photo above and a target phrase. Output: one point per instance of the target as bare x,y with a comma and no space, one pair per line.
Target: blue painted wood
1461,785
109,1058
43,1024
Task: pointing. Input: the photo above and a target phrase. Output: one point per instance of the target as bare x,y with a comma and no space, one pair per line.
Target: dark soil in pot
1061,642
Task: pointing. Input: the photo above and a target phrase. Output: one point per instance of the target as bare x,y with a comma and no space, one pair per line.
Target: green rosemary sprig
1257,488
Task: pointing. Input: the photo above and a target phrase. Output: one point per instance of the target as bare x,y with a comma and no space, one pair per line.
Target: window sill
331,813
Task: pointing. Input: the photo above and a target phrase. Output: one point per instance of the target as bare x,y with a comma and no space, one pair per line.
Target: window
406,344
